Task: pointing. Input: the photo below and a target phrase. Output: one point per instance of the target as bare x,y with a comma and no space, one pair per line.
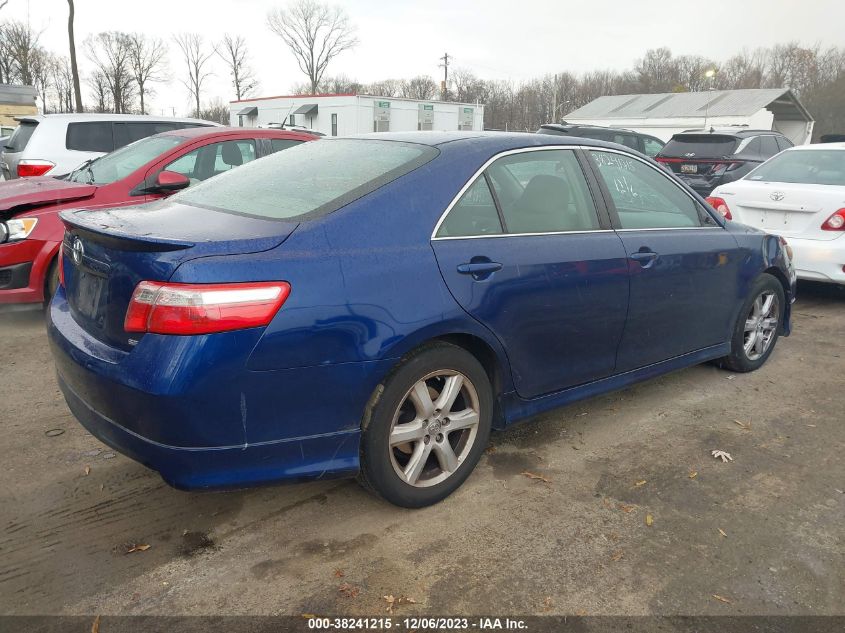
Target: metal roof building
669,113
16,101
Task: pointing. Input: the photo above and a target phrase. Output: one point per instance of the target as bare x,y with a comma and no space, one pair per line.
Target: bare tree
216,111
4,3
147,58
384,88
110,54
7,62
315,33
74,69
42,65
102,93
20,43
63,85
196,57
421,87
234,53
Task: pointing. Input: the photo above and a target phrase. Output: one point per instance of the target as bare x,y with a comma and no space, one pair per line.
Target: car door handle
479,268
646,258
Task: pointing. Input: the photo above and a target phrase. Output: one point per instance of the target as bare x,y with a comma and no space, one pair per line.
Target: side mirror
169,182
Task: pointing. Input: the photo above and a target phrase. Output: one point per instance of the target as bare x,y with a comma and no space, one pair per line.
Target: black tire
392,399
739,360
51,283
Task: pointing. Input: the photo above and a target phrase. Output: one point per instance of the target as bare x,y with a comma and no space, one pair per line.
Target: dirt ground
760,535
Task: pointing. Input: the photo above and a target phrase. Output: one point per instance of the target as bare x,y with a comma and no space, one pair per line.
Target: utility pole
445,67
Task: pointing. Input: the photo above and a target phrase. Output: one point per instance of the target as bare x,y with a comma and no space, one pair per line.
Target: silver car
55,144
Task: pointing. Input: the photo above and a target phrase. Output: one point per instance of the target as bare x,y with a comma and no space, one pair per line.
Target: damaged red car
147,170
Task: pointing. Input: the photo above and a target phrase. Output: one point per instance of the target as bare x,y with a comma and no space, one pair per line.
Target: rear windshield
699,146
806,166
20,137
119,164
309,180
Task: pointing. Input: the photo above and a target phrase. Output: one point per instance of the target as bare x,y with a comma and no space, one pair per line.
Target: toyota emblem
777,196
77,251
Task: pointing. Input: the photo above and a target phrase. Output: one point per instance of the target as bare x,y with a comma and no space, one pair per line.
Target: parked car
149,169
832,138
705,159
374,305
54,144
799,194
643,143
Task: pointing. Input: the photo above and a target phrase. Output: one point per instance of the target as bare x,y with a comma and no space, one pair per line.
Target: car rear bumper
189,409
26,262
819,260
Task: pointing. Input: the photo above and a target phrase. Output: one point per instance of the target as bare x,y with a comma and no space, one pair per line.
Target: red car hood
26,193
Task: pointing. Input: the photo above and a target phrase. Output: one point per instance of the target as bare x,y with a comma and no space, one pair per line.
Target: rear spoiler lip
74,219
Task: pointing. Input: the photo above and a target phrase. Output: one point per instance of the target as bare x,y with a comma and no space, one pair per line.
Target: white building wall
355,114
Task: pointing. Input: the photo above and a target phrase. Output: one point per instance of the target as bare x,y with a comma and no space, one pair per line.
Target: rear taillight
836,222
28,167
165,308
720,205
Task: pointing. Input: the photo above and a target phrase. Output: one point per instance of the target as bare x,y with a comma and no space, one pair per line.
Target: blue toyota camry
373,306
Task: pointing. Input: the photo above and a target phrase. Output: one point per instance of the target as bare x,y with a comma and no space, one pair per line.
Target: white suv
55,144
800,195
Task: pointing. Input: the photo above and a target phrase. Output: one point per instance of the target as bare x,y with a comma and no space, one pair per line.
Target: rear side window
785,143
651,146
699,146
125,133
90,136
474,214
310,180
812,167
768,146
278,144
20,137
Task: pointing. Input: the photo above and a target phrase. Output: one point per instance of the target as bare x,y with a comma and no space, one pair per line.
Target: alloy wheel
761,325
434,428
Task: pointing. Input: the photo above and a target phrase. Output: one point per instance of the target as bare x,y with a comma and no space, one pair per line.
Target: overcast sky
506,39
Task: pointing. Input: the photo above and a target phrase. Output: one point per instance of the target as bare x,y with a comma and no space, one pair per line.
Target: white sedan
800,195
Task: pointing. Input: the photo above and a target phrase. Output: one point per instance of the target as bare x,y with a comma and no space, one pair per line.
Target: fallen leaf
606,503
722,532
531,475
547,603
724,456
390,600
95,627
581,612
338,573
87,470
641,482
142,547
349,591
722,598
405,600
618,556
490,449
626,508
649,520
693,474
395,602
308,615
745,426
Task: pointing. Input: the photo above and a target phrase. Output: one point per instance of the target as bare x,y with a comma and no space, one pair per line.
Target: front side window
121,163
811,167
90,136
474,214
644,198
215,158
543,192
309,180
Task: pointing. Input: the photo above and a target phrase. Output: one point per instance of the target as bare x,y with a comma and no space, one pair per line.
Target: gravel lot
760,535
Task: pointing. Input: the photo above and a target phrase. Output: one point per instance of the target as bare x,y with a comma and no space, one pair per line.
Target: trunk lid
27,193
106,253
788,209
